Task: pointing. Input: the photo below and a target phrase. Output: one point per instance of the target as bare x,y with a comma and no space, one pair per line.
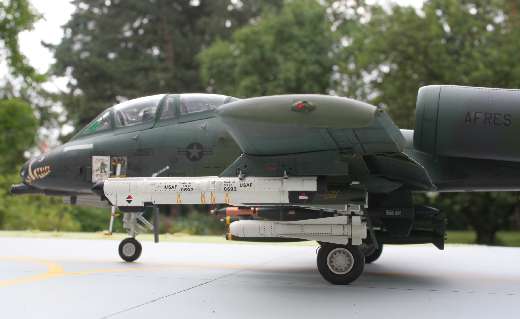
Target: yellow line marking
53,270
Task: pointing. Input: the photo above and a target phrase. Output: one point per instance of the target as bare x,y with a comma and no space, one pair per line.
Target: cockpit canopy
146,111
137,111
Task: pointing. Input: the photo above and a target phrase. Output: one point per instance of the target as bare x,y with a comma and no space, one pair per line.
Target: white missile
138,191
338,229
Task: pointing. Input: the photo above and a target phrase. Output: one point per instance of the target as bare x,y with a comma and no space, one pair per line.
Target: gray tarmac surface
63,278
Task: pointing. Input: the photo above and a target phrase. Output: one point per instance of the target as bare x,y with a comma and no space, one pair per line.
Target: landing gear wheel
340,264
130,249
371,254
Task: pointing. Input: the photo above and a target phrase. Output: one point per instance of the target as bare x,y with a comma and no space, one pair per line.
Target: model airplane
291,167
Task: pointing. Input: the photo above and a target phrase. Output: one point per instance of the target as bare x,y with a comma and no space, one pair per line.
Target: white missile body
136,191
337,230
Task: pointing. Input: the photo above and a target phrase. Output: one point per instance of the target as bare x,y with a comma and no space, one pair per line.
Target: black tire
340,276
130,249
372,254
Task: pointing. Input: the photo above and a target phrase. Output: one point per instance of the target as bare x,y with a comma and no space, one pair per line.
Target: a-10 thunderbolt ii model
291,167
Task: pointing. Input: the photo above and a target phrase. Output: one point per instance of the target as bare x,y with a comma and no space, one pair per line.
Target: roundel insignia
303,107
195,152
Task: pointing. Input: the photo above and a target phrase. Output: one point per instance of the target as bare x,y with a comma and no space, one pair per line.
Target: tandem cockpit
145,112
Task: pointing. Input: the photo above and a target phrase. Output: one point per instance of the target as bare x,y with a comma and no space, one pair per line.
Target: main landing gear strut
342,264
340,234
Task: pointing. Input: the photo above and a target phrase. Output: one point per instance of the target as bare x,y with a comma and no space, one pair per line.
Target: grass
104,236
506,238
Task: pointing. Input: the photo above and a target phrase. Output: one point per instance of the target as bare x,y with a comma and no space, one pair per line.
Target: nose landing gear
130,249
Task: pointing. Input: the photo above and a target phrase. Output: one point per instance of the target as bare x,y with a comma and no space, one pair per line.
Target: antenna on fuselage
162,170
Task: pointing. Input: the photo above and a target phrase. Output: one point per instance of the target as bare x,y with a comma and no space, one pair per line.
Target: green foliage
93,219
17,130
197,223
36,212
285,52
486,213
16,16
18,127
33,212
467,42
504,238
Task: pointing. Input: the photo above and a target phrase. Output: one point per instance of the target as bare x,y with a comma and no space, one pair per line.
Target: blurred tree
93,219
286,52
18,127
17,131
22,82
116,50
485,212
16,16
388,55
33,212
465,42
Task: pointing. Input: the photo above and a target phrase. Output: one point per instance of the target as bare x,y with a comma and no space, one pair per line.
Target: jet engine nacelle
468,122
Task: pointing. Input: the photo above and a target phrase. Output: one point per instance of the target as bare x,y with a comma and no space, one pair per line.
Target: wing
285,124
322,136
